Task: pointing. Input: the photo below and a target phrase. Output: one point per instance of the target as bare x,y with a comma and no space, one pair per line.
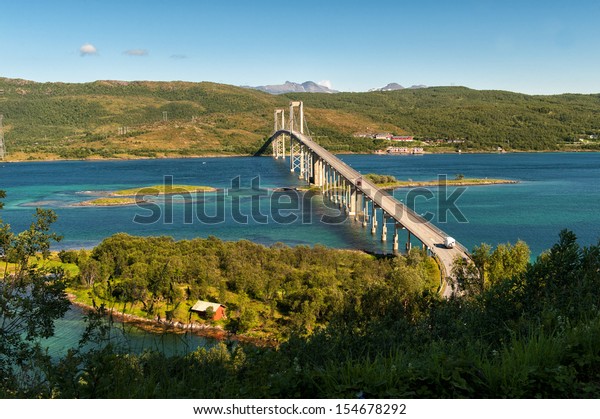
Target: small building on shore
405,150
383,136
403,138
205,309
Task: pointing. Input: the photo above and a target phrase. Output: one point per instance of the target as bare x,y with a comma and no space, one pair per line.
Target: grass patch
164,190
389,182
111,202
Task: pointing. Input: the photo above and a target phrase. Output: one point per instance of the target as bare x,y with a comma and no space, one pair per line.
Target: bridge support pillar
301,158
357,204
309,172
338,197
341,192
322,168
408,243
317,169
279,147
348,194
373,219
295,151
365,211
329,181
395,247
277,113
338,189
353,197
319,174
384,227
279,144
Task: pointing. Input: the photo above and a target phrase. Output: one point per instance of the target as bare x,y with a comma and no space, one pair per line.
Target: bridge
356,195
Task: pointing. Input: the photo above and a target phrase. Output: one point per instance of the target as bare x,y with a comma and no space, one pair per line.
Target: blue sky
536,47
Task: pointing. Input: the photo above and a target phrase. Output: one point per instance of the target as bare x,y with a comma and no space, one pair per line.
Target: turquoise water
124,337
60,185
556,191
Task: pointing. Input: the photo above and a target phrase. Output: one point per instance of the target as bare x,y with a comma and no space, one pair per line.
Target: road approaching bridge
358,196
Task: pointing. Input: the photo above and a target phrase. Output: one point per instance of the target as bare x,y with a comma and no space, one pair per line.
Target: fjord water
555,191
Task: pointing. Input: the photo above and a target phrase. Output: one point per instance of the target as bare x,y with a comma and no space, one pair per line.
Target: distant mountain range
312,87
395,86
291,87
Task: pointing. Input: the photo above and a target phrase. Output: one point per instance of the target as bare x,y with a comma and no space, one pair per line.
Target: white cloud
87,49
326,83
136,52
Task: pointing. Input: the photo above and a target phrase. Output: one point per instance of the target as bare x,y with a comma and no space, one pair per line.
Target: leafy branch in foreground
31,299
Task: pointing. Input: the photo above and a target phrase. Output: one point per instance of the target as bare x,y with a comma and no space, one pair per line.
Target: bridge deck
427,233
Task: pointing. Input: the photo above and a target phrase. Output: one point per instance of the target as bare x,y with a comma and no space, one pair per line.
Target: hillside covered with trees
270,292
114,119
485,120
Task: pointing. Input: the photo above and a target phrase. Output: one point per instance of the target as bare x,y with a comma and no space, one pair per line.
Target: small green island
136,196
110,202
163,190
390,182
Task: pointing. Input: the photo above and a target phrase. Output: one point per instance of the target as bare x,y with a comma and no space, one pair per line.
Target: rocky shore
159,326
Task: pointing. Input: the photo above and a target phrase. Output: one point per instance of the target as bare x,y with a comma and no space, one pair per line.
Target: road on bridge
427,233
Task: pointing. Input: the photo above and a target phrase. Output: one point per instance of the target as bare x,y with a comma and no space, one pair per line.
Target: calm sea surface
556,191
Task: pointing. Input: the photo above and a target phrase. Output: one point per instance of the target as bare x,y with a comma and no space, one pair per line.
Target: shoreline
162,326
128,197
92,204
212,156
434,183
130,158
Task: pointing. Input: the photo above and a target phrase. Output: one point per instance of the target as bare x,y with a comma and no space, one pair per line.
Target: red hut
205,307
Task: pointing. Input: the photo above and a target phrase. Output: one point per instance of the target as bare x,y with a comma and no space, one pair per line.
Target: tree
31,299
468,278
210,313
481,259
492,267
90,271
35,240
508,261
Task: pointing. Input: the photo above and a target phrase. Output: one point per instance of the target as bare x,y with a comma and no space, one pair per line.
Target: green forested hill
83,120
63,120
486,119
